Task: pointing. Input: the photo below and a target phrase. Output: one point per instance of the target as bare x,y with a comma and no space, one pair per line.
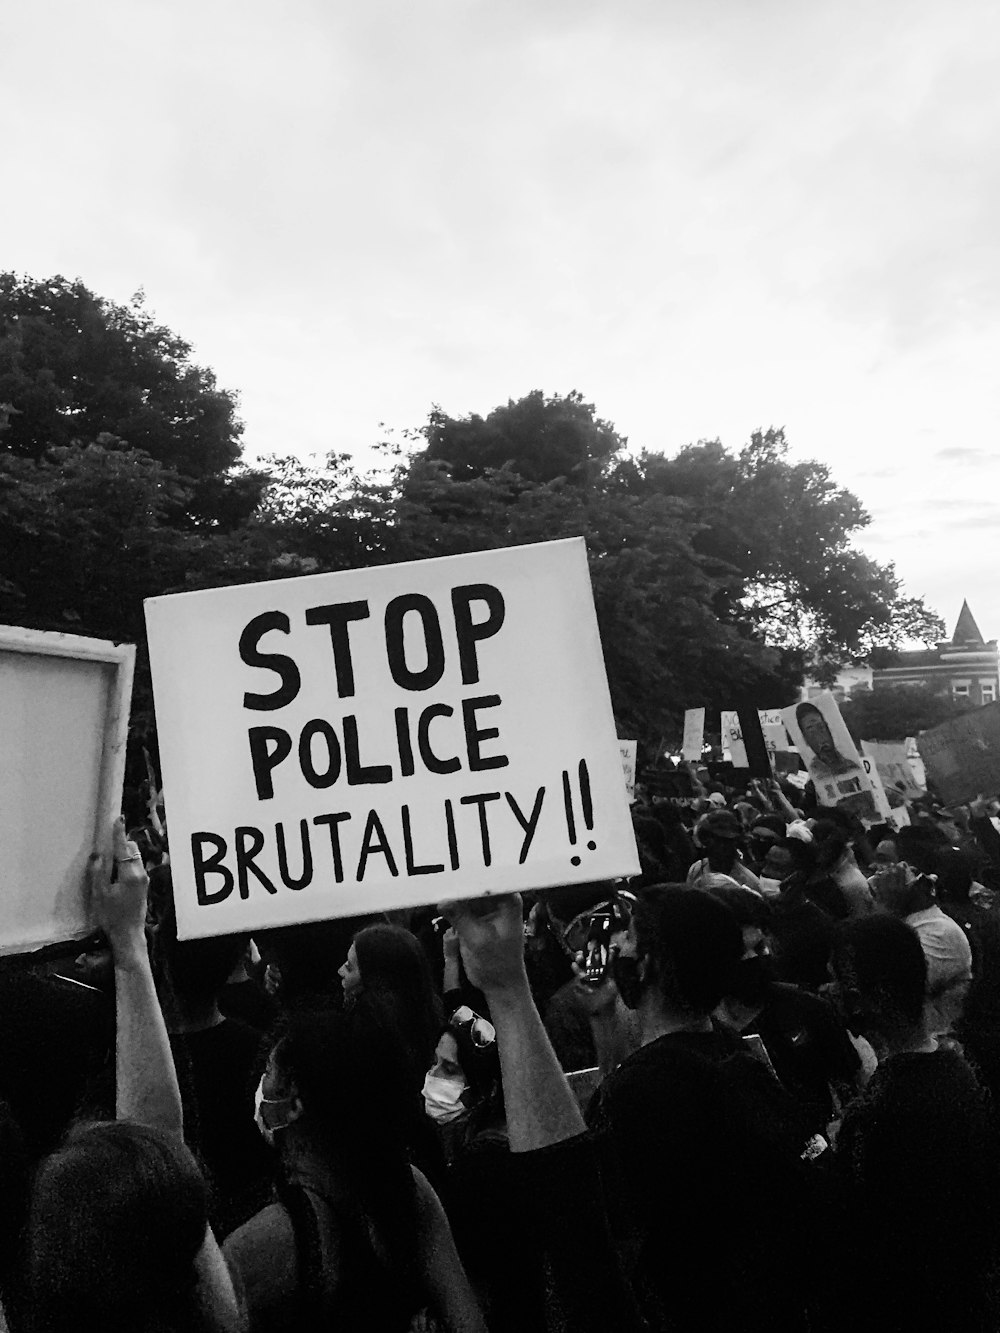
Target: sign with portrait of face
831,757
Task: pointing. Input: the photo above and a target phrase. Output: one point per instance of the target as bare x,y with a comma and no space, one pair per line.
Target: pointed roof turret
967,631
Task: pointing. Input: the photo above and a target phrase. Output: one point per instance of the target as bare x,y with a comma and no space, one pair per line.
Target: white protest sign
732,739
890,758
628,752
64,704
770,717
694,734
775,737
383,738
896,815
916,763
830,756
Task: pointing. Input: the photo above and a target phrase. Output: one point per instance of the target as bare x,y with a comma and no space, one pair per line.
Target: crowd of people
754,1088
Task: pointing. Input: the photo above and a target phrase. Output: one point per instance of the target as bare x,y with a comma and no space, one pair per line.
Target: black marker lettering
249,844
528,825
281,665
395,613
266,760
212,866
305,879
470,633
474,735
338,616
484,829
333,822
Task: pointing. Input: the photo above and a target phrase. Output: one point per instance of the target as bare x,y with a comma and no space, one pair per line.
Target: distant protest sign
732,738
385,738
628,752
894,768
64,706
694,734
962,757
831,757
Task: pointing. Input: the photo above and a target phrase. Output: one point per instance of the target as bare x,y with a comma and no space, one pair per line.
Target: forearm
147,1089
541,1107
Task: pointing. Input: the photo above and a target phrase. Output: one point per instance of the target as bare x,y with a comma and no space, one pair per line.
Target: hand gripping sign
385,738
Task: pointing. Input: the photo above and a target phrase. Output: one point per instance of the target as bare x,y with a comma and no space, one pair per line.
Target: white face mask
770,888
443,1098
266,1130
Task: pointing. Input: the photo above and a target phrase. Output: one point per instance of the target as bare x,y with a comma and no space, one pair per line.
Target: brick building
965,667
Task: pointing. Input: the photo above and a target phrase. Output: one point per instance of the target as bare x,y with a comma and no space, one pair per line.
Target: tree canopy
717,575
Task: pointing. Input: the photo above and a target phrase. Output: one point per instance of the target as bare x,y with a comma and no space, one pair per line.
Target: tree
894,714
539,438
785,531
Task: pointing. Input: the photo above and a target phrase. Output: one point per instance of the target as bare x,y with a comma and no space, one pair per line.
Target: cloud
964,455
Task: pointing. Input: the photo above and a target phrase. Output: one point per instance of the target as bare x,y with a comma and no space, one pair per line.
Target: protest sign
628,749
898,779
385,738
916,763
962,757
770,717
64,703
775,737
892,811
694,734
732,738
830,756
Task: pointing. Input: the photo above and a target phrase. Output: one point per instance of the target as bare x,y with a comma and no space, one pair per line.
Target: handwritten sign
732,738
628,753
694,734
385,738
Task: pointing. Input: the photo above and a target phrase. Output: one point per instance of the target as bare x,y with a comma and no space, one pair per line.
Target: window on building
960,689
989,691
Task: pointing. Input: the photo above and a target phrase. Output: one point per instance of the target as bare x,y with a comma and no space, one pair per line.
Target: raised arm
541,1108
146,1080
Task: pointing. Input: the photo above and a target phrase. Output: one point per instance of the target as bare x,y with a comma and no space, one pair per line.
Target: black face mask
625,971
752,979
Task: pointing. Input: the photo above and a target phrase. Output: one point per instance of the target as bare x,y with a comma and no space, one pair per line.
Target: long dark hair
352,1077
398,986
116,1221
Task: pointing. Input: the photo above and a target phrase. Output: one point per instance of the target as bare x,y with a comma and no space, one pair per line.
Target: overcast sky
706,215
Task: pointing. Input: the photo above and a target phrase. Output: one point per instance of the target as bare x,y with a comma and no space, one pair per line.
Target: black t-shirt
218,1069
918,1155
703,1186
809,1048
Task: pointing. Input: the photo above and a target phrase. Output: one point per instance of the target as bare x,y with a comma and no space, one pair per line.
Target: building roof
966,631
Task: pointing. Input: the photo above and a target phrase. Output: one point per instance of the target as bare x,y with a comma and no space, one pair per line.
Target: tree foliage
716,575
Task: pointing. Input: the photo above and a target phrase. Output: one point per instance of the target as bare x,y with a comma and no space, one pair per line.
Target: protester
910,897
799,1035
118,1236
916,1151
356,1238
217,1059
463,1095
719,833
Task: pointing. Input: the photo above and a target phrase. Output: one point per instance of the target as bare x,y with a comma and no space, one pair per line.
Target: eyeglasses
481,1030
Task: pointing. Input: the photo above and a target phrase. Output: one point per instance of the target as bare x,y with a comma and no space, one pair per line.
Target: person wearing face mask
681,1120
463,1096
355,1238
799,1034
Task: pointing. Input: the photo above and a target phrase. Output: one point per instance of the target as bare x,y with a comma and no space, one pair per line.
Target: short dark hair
693,942
197,969
887,961
805,709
